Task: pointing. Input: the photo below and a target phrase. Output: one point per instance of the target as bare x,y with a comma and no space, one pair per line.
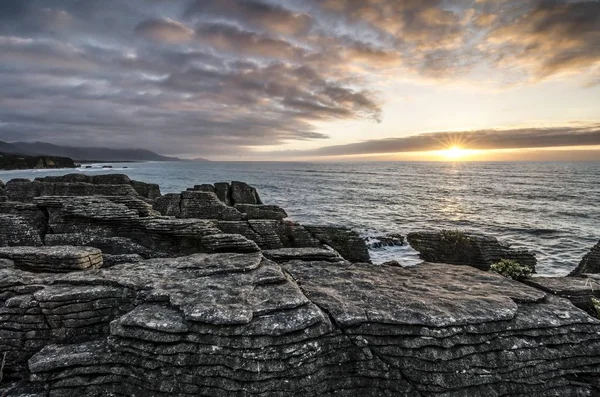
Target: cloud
257,14
518,138
164,30
206,77
551,37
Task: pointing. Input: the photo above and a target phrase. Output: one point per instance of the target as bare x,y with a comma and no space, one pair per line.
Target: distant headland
29,155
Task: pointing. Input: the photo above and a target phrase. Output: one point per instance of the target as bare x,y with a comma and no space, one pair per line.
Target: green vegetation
453,239
453,244
511,269
596,307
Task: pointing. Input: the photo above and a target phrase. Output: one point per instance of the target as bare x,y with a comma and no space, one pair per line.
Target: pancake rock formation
460,248
213,293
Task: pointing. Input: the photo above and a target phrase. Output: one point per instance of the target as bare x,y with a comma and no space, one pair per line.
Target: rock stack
129,220
127,295
460,248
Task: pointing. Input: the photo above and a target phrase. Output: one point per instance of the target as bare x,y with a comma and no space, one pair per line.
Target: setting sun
455,153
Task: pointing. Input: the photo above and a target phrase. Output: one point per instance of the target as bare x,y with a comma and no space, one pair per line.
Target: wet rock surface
459,248
210,292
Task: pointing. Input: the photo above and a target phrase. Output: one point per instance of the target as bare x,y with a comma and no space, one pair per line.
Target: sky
306,79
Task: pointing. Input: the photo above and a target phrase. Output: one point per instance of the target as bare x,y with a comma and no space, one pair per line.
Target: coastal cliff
109,288
22,162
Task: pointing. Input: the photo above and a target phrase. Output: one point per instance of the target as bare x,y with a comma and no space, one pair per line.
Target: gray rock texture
579,290
347,242
459,248
590,262
197,205
242,325
53,259
80,185
124,217
108,288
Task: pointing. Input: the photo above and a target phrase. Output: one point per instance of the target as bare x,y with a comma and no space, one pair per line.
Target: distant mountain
199,159
82,153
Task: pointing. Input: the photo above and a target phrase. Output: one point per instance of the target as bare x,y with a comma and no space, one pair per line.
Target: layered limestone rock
125,217
79,185
590,263
470,249
196,204
62,259
345,241
283,255
21,224
240,324
579,290
233,193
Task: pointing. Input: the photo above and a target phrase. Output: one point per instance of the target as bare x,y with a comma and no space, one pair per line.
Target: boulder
62,259
240,324
345,241
460,248
223,192
204,188
2,189
590,263
196,205
242,193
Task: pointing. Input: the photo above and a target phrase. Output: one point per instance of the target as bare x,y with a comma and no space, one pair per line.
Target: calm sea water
549,208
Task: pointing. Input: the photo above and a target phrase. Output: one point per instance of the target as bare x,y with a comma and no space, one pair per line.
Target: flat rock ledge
242,325
62,259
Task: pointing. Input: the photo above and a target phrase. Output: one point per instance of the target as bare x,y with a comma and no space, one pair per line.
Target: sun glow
455,153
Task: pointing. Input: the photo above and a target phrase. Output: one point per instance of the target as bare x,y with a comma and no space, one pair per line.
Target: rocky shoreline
109,288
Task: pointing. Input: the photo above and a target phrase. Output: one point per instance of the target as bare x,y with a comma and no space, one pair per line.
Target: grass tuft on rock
511,269
596,307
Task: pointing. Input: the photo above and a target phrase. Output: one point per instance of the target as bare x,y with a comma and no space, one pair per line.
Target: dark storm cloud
519,138
219,77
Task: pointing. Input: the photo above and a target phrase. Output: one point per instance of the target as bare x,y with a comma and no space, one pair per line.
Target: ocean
551,209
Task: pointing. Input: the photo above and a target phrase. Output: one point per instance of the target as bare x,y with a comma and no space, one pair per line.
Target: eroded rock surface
53,259
470,249
125,217
80,185
210,292
240,324
347,242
